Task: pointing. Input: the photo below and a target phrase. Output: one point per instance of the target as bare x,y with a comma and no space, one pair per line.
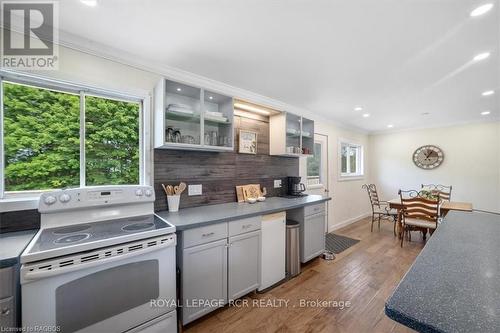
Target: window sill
350,178
13,204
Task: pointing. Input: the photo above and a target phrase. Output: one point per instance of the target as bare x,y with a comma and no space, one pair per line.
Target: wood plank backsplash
219,173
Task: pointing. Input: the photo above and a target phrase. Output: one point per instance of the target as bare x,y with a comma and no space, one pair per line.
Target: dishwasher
272,250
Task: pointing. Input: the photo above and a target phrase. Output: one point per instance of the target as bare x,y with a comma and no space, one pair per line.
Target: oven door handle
28,275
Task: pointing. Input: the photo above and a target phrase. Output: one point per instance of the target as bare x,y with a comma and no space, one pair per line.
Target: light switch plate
194,190
277,183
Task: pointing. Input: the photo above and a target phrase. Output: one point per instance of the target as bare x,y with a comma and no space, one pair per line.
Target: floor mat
337,243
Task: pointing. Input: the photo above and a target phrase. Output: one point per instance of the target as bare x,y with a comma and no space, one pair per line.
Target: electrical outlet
277,183
194,190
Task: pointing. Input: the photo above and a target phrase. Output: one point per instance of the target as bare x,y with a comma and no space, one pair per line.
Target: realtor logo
30,35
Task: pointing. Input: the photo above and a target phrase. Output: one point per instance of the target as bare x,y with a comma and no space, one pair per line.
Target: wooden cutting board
243,192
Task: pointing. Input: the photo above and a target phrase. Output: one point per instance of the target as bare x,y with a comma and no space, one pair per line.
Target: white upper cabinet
192,118
291,135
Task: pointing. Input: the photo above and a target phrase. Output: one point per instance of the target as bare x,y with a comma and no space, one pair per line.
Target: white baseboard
348,221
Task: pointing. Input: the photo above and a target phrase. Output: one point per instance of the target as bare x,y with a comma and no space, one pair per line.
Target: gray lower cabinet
204,279
313,237
218,263
312,230
243,264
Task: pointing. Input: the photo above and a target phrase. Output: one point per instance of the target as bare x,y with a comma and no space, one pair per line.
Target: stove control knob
148,193
49,200
64,198
139,193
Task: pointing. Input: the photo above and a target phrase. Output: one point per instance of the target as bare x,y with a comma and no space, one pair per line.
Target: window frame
359,174
29,198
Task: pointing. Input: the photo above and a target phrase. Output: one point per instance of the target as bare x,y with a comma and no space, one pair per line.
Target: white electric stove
101,262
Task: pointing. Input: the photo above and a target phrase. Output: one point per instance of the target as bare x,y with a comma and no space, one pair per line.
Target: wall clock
428,157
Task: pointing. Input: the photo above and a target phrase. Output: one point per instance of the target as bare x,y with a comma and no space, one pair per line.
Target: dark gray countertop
12,244
198,216
454,284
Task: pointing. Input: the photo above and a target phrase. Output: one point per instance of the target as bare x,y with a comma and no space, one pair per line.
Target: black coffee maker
295,187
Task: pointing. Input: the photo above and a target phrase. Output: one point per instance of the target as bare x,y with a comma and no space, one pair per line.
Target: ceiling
398,59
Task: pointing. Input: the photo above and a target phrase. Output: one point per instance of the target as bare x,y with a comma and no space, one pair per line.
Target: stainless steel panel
106,293
244,225
6,282
206,234
7,314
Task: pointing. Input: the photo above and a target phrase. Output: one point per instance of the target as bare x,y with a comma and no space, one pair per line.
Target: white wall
350,202
471,164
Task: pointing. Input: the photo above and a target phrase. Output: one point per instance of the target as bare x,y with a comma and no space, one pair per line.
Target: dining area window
351,160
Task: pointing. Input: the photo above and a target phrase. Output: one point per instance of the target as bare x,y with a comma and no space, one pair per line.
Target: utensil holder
173,202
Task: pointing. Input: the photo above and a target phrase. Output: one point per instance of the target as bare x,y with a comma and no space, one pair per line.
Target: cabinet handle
208,235
246,226
5,312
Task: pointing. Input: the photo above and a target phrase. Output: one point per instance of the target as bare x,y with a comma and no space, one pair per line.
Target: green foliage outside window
42,139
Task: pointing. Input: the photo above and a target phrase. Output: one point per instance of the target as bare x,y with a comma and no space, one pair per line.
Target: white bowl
261,199
251,200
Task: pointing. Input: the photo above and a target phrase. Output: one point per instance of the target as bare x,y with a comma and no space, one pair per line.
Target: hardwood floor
365,275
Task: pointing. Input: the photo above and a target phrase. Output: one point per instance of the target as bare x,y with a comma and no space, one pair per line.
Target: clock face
428,157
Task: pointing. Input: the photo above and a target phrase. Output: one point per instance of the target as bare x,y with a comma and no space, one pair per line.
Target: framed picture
248,142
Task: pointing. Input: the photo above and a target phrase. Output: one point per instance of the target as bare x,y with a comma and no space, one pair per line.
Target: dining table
445,207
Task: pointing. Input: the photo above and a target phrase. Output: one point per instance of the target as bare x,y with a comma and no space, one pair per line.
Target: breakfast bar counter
188,218
454,284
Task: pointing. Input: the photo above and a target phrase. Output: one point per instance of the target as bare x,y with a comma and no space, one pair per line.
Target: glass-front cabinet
218,120
291,135
192,118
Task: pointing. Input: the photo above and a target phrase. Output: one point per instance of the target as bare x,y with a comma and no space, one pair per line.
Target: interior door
316,170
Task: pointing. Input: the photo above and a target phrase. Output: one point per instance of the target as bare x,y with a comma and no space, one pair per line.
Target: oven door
107,290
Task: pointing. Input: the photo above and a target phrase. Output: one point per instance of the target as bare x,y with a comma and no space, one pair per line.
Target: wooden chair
419,213
443,191
380,209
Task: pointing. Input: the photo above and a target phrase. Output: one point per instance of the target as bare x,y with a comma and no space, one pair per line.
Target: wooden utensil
164,189
176,190
170,190
182,187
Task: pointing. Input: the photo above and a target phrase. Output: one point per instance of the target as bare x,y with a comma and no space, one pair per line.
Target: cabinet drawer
244,225
204,235
7,313
314,209
6,282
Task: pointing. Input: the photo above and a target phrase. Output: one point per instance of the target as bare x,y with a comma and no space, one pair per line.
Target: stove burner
71,229
138,226
71,239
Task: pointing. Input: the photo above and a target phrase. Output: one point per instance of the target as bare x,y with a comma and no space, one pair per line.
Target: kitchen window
351,160
56,135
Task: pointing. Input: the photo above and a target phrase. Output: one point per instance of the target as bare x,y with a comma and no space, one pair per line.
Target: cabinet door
204,279
313,240
244,264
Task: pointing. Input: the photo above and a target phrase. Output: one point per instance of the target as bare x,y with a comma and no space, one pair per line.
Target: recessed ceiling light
488,93
485,113
210,97
90,3
366,115
390,126
358,108
481,56
425,113
483,9
179,89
